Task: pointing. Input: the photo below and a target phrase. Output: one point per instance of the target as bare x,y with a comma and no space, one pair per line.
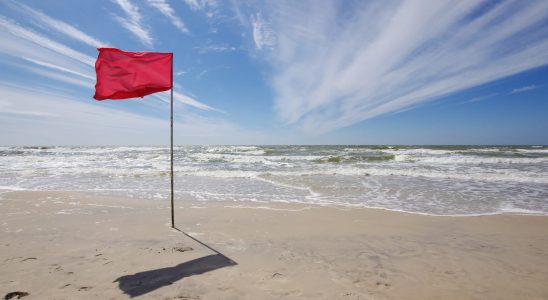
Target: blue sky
281,72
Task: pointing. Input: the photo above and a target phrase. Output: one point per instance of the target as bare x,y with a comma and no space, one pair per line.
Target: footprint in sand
56,268
383,284
28,258
16,295
12,258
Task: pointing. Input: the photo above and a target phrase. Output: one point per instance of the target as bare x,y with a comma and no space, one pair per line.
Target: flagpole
171,119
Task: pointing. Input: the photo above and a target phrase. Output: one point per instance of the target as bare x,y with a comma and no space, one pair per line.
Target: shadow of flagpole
198,241
147,281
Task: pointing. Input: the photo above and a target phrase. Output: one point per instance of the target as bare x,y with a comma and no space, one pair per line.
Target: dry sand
57,245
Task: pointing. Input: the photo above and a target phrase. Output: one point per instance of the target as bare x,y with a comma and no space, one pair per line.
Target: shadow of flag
145,282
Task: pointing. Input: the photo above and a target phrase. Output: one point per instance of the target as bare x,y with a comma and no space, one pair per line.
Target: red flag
122,75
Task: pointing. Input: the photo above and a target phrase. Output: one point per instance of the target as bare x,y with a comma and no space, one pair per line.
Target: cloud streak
215,48
394,55
133,22
30,37
210,7
26,121
56,61
263,36
57,25
479,98
164,8
525,89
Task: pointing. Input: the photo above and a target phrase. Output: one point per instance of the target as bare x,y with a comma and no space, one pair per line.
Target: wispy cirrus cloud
22,42
263,36
210,7
163,7
56,61
58,68
525,89
133,21
11,27
55,24
217,48
59,76
514,91
479,98
393,55
27,121
190,101
183,99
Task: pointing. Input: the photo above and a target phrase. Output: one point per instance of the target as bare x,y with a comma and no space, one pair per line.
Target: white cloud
60,76
479,98
40,51
133,22
525,89
193,4
58,119
336,64
23,34
60,68
61,61
164,7
263,36
210,7
183,99
190,101
215,48
58,25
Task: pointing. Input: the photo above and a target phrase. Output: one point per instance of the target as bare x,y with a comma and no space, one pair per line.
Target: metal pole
171,119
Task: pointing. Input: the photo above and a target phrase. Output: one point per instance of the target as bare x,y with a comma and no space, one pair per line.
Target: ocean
433,180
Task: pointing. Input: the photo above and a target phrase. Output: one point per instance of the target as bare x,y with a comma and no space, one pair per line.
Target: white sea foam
429,180
541,151
12,188
510,209
251,150
460,159
270,208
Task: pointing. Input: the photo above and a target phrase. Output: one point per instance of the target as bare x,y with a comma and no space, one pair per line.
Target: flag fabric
122,75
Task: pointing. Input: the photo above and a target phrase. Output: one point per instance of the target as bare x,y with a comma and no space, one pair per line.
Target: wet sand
59,245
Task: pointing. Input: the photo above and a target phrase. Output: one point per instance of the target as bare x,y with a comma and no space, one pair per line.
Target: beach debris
182,248
85,288
17,294
188,297
277,274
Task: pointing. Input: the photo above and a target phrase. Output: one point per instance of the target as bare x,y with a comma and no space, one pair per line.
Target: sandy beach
59,245
352,150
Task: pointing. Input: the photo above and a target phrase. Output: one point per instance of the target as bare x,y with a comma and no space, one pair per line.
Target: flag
122,75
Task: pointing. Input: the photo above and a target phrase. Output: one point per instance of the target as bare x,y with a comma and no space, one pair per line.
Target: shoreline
264,204
66,245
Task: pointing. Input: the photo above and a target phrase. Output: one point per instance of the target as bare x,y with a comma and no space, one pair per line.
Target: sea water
436,180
